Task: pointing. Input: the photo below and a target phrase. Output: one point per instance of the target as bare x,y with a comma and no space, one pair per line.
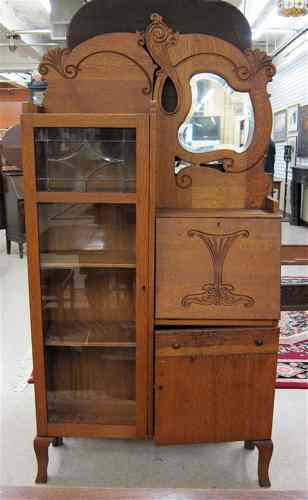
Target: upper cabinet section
208,96
220,117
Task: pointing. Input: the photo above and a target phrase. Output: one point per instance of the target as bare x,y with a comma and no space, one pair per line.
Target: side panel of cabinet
213,397
226,269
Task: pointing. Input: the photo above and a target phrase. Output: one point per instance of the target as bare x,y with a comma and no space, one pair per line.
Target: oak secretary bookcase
153,249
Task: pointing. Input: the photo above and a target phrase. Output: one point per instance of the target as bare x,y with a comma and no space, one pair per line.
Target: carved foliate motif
218,293
184,181
158,37
55,58
257,60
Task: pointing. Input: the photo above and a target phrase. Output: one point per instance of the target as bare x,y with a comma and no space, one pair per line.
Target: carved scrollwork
256,61
218,293
184,181
55,58
160,31
158,37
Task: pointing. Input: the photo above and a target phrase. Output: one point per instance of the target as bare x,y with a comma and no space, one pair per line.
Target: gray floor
126,463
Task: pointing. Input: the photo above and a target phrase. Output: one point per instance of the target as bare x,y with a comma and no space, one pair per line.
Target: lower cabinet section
214,385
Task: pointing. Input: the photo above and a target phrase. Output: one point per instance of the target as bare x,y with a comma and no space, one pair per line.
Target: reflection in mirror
220,117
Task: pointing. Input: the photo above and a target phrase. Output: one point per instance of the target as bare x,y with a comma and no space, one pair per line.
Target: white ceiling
269,30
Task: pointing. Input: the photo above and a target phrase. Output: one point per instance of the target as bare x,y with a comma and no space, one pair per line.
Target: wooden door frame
32,198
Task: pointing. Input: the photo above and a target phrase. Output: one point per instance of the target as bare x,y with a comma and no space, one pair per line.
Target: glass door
92,272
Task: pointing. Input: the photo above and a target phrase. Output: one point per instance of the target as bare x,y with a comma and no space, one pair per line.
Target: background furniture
299,179
14,208
13,190
151,246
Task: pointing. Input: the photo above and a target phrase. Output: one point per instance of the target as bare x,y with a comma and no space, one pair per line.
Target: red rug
292,370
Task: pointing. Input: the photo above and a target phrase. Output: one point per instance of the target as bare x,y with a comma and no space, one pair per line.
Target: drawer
220,341
217,269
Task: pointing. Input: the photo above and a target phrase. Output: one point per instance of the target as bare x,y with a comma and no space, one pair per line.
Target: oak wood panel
28,156
43,493
101,75
215,213
214,398
92,430
214,322
65,197
154,146
66,407
213,342
142,273
188,267
91,259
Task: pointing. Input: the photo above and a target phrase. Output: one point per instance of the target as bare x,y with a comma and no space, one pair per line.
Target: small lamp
38,91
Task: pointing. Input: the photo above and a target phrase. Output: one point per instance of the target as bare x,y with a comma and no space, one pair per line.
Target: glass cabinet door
91,269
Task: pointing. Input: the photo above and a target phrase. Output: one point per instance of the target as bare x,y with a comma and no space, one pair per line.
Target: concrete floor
98,462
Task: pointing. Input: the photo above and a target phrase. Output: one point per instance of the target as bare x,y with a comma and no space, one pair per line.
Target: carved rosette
56,58
257,60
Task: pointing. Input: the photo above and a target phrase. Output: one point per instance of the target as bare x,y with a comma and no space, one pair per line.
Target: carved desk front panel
222,269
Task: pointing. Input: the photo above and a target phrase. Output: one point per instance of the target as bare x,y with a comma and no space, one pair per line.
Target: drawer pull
259,342
176,346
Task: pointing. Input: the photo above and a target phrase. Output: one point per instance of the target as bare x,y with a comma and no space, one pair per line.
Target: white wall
289,87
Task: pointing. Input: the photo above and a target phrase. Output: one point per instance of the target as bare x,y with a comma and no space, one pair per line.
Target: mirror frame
180,57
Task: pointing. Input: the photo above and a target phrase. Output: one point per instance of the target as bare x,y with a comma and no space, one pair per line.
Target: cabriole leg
265,449
41,445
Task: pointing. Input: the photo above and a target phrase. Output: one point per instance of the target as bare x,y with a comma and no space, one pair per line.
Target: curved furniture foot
249,445
41,445
265,449
58,441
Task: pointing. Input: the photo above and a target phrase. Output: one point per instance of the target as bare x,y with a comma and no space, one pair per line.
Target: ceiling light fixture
292,8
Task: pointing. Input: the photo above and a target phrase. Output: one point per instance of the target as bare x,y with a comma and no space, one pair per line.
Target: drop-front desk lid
218,265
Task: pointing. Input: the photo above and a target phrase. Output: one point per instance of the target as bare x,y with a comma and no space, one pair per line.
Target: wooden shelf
89,407
93,197
91,334
104,259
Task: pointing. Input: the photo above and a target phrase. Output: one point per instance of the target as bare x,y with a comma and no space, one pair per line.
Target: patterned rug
293,351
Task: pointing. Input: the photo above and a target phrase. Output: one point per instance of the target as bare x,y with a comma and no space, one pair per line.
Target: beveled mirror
219,118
